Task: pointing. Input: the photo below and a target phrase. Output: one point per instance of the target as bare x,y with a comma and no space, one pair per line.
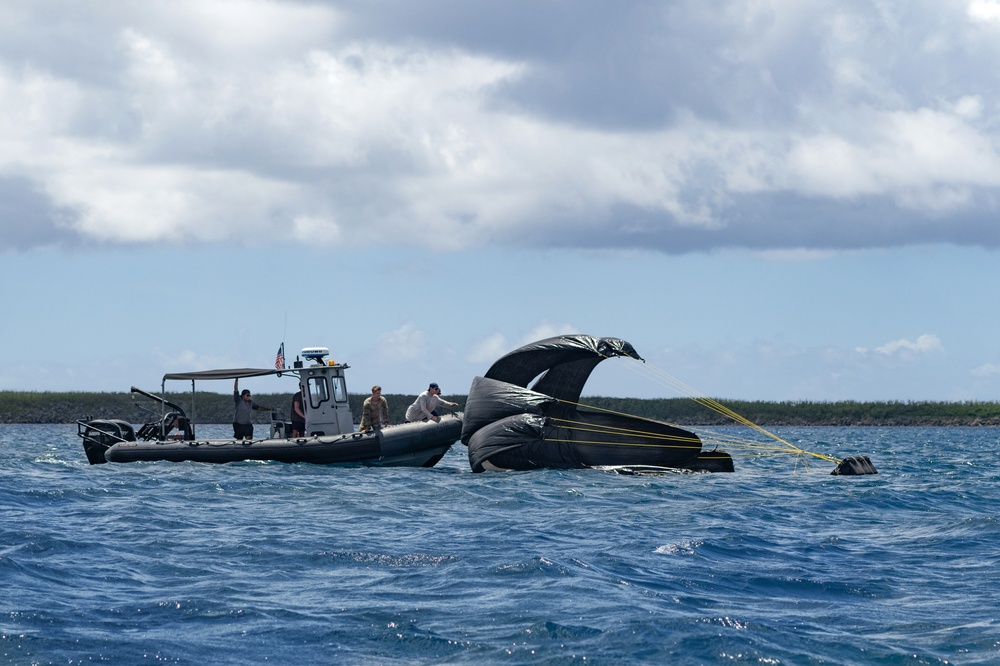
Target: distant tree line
685,411
54,407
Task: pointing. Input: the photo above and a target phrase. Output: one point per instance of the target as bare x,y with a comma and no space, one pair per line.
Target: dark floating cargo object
508,426
855,466
720,465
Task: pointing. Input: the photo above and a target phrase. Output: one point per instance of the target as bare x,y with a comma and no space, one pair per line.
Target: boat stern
99,435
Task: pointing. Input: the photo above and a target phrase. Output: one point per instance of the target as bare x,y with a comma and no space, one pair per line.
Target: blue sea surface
254,562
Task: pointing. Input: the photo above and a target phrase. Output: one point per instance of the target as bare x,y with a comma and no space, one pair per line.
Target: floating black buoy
855,466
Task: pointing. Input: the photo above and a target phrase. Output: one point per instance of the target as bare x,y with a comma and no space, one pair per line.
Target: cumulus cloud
496,345
987,11
986,370
674,126
28,218
923,344
488,349
548,329
189,360
405,343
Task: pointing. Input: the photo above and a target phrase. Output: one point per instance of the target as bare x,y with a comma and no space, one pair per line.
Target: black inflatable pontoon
410,444
329,427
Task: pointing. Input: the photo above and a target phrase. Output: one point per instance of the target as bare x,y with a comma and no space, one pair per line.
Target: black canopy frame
213,375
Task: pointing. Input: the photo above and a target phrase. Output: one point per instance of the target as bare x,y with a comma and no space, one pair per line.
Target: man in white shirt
426,403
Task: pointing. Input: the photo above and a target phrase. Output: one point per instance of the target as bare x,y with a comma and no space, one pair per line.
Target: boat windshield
339,389
318,392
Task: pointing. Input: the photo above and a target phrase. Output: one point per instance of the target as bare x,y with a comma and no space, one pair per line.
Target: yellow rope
596,427
718,407
713,405
605,429
637,444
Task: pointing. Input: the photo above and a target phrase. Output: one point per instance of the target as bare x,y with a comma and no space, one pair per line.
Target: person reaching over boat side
375,411
245,407
299,412
426,404
184,430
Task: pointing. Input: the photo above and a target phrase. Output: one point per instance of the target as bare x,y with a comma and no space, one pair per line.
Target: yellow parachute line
620,443
727,442
754,448
580,426
664,379
611,430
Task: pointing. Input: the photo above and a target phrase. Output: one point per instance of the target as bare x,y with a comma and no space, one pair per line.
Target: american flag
279,360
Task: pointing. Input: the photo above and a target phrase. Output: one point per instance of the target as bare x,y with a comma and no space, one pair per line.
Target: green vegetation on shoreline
53,407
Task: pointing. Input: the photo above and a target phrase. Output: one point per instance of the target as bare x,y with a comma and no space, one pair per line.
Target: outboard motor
99,435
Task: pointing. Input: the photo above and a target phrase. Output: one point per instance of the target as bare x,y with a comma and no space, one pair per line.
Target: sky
793,200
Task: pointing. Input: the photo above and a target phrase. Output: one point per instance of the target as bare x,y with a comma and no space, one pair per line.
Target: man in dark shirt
245,407
299,412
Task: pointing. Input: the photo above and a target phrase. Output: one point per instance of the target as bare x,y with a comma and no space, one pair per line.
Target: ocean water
189,563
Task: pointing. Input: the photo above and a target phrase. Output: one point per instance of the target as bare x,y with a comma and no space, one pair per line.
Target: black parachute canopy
565,360
490,400
509,426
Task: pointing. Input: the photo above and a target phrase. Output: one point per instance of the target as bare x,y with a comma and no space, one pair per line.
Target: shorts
243,430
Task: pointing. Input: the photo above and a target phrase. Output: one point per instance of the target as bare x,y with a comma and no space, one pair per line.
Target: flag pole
279,359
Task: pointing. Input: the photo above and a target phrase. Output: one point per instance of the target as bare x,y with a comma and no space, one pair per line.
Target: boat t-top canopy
230,373
224,373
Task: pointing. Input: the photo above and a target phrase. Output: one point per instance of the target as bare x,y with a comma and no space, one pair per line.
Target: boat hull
420,444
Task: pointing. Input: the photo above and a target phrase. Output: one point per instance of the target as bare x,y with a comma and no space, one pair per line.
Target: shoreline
66,407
